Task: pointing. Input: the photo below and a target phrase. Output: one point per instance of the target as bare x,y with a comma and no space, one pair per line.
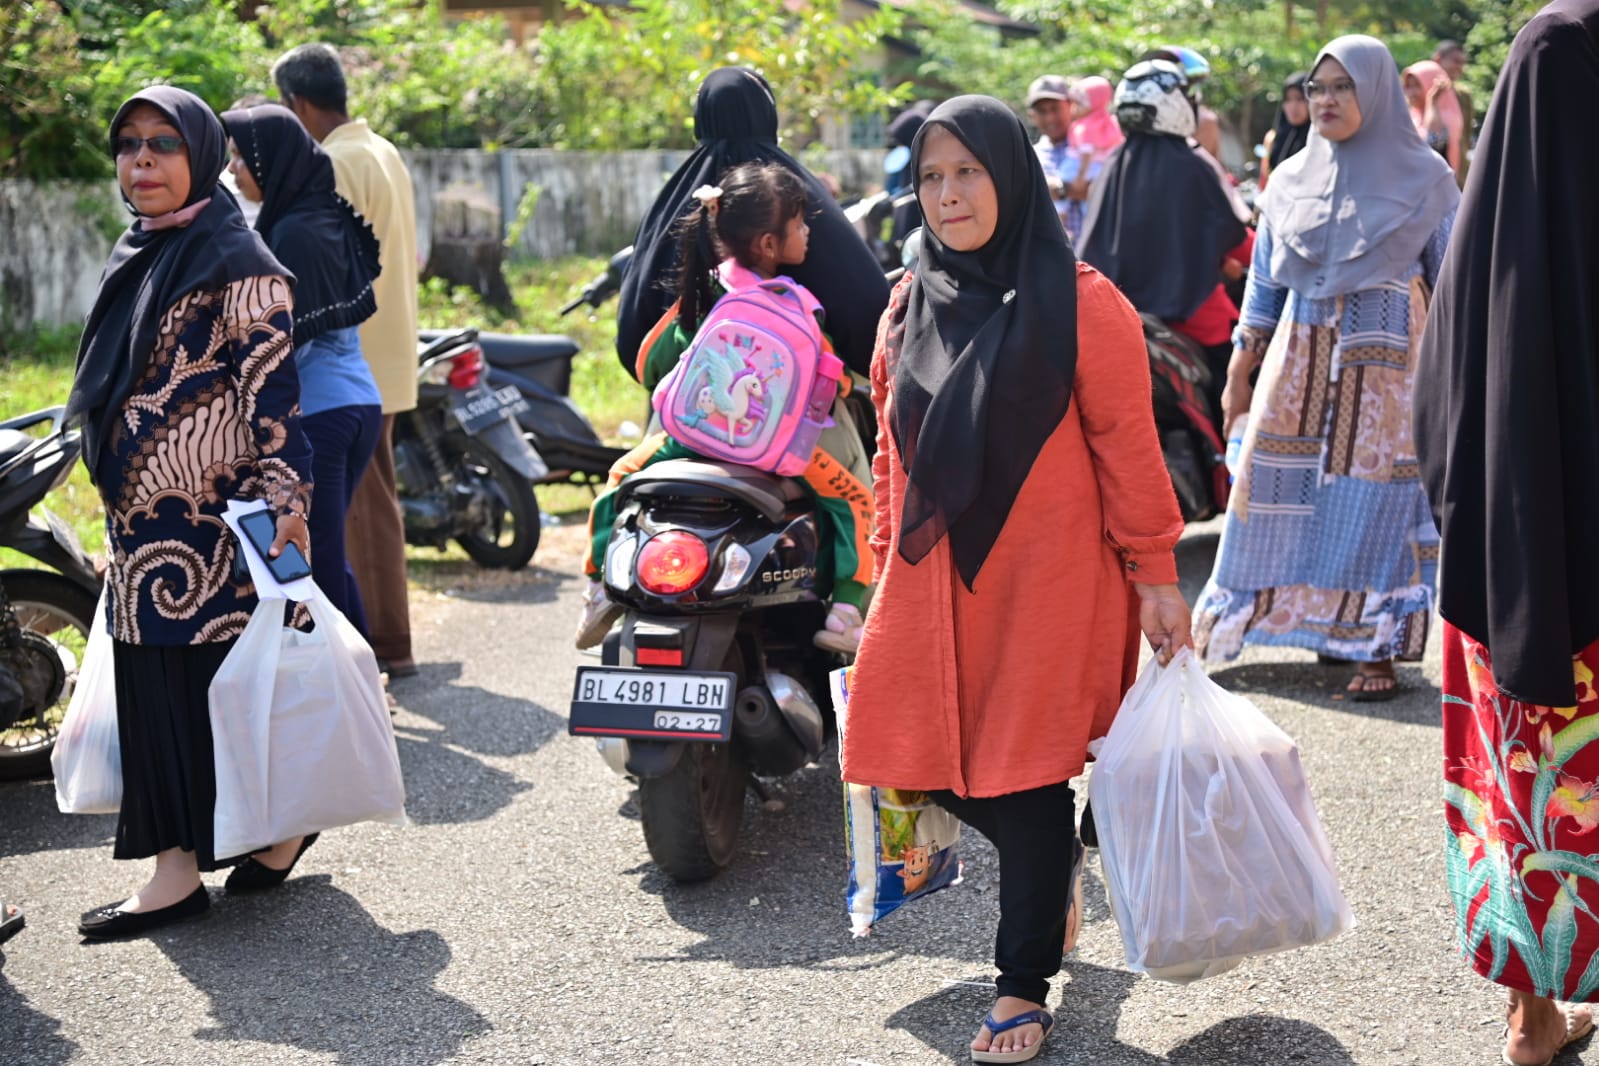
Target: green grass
36,372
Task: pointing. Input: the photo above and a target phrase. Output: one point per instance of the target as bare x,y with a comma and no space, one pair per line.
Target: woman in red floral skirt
1507,431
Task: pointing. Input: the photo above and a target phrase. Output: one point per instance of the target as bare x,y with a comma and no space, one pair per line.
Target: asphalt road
519,920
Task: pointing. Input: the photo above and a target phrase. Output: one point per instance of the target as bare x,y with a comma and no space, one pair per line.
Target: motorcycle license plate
482,407
611,701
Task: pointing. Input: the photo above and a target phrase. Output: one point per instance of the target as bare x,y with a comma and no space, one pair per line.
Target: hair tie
710,198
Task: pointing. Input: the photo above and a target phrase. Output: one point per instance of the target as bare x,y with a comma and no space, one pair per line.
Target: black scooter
712,681
539,368
463,469
45,615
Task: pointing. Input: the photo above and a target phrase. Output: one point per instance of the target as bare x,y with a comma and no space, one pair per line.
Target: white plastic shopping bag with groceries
1209,840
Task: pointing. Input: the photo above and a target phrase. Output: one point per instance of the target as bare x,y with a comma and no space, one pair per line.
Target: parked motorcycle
463,469
539,368
872,215
712,682
45,615
1187,421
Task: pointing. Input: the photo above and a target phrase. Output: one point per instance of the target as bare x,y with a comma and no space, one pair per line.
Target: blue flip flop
1033,1017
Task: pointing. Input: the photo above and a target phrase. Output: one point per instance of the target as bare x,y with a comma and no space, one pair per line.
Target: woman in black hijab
334,256
735,121
1289,134
188,398
1507,433
1024,535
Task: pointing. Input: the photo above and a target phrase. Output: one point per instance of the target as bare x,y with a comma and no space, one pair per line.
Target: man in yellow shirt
371,175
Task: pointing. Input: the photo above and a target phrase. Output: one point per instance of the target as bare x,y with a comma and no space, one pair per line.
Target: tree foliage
609,77
622,78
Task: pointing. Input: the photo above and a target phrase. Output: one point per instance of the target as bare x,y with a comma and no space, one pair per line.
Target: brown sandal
1575,1031
1365,694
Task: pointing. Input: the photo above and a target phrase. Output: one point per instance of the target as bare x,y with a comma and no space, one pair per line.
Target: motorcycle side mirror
911,250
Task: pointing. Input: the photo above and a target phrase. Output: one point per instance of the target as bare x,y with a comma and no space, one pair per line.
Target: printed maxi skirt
1521,788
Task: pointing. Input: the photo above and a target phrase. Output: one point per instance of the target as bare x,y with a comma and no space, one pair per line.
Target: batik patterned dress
1522,793
214,417
1328,542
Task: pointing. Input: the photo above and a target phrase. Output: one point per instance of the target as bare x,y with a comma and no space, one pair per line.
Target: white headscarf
1349,215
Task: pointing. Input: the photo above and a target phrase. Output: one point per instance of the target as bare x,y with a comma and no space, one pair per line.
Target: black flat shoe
108,923
253,876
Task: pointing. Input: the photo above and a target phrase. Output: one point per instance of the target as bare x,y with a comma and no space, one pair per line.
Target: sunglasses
163,144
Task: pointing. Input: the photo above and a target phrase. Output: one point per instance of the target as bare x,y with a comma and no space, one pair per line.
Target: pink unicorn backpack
756,385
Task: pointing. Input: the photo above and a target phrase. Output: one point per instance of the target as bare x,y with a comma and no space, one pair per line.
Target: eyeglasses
1340,90
162,144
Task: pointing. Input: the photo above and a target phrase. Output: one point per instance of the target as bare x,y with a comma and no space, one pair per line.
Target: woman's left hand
291,528
1164,617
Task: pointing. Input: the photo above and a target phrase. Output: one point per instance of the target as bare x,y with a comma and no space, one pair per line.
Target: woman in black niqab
1507,383
735,121
988,352
151,268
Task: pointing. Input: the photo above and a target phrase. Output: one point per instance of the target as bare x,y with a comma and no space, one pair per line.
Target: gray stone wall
54,238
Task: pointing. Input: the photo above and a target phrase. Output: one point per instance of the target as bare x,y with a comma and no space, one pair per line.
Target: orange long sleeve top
1001,689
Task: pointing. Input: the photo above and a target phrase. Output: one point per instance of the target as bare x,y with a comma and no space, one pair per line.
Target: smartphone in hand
261,529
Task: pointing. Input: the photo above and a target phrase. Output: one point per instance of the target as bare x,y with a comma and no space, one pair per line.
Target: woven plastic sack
87,760
1209,839
902,845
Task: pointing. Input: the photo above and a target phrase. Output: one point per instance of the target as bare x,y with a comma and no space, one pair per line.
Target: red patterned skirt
1521,787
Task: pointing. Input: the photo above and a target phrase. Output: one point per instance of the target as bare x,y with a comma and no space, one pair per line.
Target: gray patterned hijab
1350,215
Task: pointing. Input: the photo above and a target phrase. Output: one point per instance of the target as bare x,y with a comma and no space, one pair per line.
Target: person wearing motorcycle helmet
1159,223
1207,124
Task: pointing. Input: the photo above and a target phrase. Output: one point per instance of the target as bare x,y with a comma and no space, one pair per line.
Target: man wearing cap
1051,107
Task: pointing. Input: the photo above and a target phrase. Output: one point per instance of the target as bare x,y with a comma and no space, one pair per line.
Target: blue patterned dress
1328,543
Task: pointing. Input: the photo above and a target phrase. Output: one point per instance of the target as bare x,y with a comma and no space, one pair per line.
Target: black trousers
1035,834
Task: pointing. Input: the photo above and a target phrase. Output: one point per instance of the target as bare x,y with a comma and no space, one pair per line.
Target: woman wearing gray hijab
1329,544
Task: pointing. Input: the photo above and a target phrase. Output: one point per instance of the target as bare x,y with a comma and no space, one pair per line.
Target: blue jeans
342,440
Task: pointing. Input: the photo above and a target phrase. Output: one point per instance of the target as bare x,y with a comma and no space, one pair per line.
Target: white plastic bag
1209,840
301,731
87,759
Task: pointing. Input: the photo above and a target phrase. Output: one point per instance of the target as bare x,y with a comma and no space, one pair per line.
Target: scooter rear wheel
691,814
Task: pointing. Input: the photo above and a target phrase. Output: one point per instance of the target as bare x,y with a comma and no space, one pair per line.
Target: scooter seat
769,494
512,350
13,442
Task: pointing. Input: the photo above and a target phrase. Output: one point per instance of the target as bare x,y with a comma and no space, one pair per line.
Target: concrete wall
54,238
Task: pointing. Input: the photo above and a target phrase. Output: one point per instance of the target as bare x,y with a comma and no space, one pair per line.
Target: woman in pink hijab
1435,109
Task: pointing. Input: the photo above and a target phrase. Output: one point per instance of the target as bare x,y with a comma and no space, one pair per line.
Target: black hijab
735,121
310,228
1159,225
1287,138
987,349
1507,382
150,270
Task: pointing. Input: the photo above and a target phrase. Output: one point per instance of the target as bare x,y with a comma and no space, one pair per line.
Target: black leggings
1035,835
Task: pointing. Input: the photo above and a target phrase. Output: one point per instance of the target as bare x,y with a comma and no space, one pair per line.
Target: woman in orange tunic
1025,527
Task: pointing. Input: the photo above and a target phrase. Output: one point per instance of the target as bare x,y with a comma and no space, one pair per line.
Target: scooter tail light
466,368
672,562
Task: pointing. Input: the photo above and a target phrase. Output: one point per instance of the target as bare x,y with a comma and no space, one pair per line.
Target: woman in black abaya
735,121
1507,433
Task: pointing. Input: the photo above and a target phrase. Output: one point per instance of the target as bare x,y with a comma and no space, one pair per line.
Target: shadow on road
33,823
29,1036
1088,1013
1305,680
305,966
781,903
444,783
